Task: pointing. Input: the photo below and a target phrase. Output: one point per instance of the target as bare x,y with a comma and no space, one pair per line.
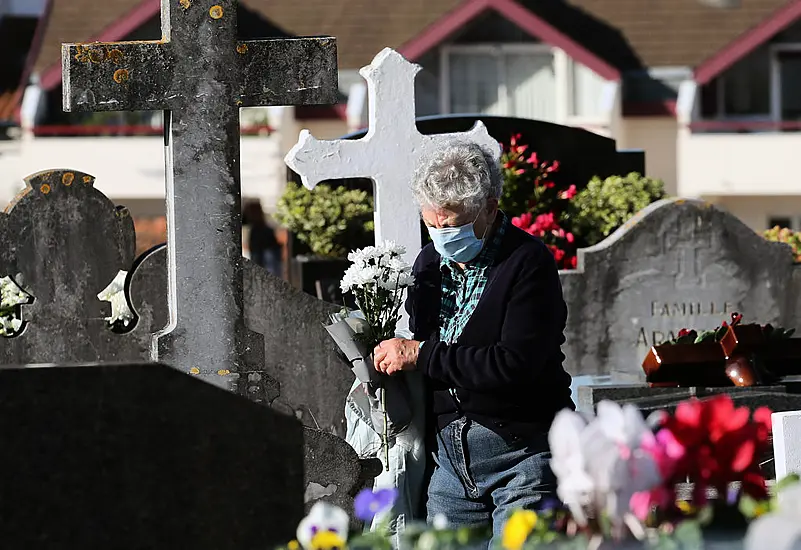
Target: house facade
705,87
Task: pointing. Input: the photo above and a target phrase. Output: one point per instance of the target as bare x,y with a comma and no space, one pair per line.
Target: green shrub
784,235
605,205
330,221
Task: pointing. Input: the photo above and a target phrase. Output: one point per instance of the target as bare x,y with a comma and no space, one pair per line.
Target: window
780,221
509,80
743,91
586,91
786,81
762,86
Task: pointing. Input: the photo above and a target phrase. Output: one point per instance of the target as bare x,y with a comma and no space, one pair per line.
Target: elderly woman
488,319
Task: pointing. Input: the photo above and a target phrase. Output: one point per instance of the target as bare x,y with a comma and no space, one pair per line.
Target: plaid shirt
462,289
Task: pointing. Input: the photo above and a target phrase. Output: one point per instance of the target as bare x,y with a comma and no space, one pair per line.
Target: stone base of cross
388,154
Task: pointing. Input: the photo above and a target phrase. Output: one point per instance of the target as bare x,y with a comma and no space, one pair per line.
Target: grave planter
700,364
742,340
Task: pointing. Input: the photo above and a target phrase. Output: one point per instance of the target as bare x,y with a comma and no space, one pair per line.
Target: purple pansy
368,504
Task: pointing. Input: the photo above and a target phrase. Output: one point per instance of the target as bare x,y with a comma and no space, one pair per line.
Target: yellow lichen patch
242,48
96,56
87,179
223,372
68,178
185,4
121,76
216,12
115,55
45,188
194,370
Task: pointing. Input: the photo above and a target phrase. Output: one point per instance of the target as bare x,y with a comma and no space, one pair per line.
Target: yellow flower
518,528
293,545
686,507
327,540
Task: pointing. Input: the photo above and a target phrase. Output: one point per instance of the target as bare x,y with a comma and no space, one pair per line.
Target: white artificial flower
599,464
114,293
323,517
440,522
780,530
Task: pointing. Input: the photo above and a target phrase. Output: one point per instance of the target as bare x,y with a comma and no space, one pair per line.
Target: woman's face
455,216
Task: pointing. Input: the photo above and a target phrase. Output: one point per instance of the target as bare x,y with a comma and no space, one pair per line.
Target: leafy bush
331,221
787,236
605,205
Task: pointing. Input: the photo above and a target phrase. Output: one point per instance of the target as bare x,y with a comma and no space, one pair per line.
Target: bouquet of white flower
377,279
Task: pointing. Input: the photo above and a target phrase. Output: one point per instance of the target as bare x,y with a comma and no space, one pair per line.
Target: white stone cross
388,154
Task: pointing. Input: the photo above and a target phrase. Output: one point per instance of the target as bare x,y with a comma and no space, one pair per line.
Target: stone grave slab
143,456
678,263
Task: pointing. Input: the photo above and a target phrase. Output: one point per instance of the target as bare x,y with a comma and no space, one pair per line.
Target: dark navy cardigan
506,367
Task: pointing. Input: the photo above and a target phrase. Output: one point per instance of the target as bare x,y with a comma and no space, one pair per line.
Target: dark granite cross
201,75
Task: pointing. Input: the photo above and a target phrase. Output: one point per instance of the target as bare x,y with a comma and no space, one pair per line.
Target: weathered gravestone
677,264
200,74
143,456
67,240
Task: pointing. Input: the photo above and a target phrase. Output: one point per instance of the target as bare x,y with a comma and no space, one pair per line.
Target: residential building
705,87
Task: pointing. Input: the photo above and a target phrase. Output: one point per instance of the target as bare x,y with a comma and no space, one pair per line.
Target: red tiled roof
627,34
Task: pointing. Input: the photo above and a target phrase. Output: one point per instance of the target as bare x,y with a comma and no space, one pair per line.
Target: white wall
132,167
739,164
657,137
755,211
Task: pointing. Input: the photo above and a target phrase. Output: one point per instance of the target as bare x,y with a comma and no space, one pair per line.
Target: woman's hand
395,355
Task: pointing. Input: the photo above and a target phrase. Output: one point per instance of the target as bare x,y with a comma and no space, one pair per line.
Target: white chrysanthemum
405,280
398,265
392,248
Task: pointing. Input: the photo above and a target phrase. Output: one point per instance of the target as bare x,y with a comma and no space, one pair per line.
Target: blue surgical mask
459,244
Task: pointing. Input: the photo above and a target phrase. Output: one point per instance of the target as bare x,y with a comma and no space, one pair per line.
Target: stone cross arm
149,75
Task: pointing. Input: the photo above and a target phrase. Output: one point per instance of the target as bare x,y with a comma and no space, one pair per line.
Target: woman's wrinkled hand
396,355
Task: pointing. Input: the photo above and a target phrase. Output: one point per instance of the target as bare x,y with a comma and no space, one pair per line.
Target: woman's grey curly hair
462,175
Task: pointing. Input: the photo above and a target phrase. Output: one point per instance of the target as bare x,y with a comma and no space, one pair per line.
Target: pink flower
568,193
533,159
523,221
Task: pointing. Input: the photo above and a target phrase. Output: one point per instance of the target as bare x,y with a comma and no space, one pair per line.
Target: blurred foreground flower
517,529
325,528
369,504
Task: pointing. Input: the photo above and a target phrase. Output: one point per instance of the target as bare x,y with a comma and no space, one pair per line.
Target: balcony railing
744,126
80,130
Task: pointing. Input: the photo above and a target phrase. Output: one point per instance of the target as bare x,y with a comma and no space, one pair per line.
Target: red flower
533,159
723,444
554,166
573,262
569,237
684,332
736,318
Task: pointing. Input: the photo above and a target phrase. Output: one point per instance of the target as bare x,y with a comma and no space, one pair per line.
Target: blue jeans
481,479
